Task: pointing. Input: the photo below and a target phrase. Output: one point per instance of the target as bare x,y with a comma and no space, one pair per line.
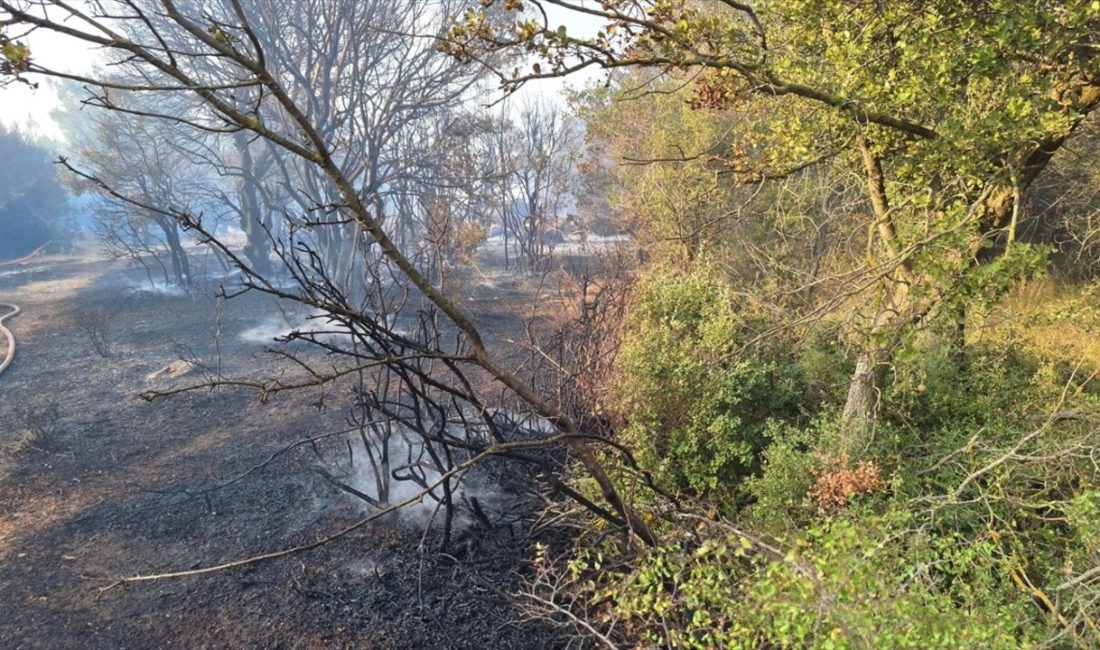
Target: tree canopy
33,205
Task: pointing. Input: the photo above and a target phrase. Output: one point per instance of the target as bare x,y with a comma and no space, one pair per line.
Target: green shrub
850,582
779,490
827,370
986,535
695,404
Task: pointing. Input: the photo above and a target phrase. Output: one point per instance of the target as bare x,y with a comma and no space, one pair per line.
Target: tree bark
865,387
863,397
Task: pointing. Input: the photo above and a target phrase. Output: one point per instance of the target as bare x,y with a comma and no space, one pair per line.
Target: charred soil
96,483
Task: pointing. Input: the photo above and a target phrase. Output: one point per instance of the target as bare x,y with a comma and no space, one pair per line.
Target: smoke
156,288
267,331
317,324
407,458
365,477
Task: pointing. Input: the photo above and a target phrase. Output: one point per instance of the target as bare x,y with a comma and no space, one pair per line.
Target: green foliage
15,58
1000,446
990,519
935,390
870,588
991,103
696,409
986,423
1022,356
852,582
1052,322
33,206
1083,516
826,368
682,196
671,193
780,505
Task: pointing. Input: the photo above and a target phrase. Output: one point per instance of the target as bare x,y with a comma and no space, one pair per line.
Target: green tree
33,206
667,188
951,110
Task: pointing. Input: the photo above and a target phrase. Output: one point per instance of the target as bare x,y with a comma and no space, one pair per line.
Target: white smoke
425,509
156,288
276,328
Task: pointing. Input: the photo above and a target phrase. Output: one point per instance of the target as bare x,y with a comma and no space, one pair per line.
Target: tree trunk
181,267
861,407
993,209
257,246
865,388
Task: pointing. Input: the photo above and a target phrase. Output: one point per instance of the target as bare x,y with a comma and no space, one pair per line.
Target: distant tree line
33,206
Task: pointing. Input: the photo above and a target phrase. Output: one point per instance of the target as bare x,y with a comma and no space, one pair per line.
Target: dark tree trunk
254,220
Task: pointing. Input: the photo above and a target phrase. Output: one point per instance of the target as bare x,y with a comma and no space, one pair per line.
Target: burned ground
96,483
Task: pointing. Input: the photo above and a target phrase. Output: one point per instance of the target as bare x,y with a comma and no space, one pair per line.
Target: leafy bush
1000,448
986,536
849,582
827,371
696,405
785,478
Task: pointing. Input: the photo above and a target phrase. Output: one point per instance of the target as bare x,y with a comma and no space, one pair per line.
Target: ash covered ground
96,483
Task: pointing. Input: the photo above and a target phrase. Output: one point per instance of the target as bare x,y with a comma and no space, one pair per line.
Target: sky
29,109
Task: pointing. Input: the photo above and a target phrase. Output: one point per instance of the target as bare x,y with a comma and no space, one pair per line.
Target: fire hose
6,333
26,258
